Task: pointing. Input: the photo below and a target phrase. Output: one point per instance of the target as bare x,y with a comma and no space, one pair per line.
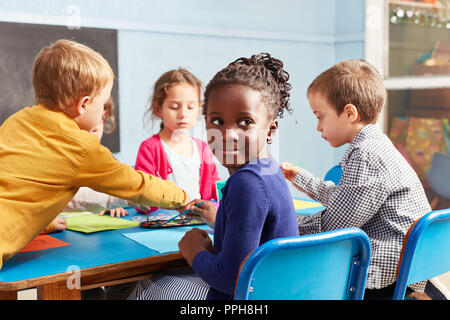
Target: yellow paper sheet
301,204
94,223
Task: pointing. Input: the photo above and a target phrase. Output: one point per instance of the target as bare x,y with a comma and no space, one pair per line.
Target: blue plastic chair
439,175
334,174
325,266
426,251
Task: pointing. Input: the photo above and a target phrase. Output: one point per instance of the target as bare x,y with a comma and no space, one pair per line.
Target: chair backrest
325,266
426,251
439,175
219,186
334,174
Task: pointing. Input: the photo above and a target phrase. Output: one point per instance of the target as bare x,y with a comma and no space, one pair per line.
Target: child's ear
273,127
81,105
157,110
78,108
351,112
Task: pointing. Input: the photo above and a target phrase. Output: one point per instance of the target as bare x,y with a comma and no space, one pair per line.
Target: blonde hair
354,82
167,80
65,71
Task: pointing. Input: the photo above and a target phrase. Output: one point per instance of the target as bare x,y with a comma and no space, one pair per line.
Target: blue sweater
256,207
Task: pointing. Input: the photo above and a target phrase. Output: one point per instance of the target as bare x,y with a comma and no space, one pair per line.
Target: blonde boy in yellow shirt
47,153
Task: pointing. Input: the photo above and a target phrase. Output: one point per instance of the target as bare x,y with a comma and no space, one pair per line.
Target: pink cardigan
152,159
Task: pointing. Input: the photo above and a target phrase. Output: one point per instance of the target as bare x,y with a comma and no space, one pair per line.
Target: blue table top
85,251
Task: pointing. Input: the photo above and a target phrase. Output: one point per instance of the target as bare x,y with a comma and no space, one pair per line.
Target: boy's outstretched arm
358,197
102,172
302,179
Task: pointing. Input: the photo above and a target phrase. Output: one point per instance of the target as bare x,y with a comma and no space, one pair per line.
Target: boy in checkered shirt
378,192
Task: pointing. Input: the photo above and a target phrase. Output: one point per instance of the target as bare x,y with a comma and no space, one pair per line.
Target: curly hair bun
260,72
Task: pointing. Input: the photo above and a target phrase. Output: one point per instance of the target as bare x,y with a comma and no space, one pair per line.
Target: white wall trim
127,25
376,48
417,82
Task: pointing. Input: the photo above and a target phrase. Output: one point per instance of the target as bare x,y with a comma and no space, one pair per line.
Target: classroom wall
204,36
349,39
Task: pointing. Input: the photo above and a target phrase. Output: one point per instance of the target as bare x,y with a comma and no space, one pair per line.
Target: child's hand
59,224
118,212
207,211
289,170
193,242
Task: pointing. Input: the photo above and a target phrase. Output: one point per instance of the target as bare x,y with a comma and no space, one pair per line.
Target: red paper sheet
42,242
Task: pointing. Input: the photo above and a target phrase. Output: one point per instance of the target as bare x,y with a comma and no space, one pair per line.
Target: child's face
94,109
334,128
237,124
180,109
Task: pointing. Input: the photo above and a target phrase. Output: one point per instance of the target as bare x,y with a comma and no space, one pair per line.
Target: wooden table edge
102,273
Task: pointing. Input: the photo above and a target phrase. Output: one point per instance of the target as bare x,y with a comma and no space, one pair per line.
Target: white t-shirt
87,199
185,170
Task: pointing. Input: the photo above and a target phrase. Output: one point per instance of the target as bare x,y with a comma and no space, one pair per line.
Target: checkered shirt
378,192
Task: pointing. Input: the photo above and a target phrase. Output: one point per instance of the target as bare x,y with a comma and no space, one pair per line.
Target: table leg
57,291
8,295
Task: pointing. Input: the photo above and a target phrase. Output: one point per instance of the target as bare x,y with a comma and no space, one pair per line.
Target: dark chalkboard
19,45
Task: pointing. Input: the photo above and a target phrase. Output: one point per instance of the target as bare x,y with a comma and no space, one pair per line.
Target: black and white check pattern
379,193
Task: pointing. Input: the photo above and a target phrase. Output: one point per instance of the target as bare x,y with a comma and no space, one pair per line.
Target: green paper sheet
94,223
74,214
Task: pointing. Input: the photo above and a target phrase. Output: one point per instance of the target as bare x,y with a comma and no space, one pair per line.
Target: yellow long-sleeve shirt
44,158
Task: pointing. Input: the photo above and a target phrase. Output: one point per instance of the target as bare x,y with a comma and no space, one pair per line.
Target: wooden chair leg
58,291
434,203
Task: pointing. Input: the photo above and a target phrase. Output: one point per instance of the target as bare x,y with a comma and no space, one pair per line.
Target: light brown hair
66,71
167,80
354,82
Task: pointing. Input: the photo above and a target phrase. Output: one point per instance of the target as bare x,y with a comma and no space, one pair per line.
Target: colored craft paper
301,204
399,131
94,223
424,137
446,128
418,139
162,241
42,242
74,214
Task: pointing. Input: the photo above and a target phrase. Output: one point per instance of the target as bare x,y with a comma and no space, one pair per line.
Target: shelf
417,82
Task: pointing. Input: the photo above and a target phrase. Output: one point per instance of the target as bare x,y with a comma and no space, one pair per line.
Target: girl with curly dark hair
241,106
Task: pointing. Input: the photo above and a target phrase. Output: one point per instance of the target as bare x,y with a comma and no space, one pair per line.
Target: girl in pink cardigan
172,154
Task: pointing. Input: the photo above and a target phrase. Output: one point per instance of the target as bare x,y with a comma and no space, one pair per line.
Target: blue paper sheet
163,241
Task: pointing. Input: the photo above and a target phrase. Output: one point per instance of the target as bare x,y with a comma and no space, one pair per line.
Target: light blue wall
204,36
349,36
